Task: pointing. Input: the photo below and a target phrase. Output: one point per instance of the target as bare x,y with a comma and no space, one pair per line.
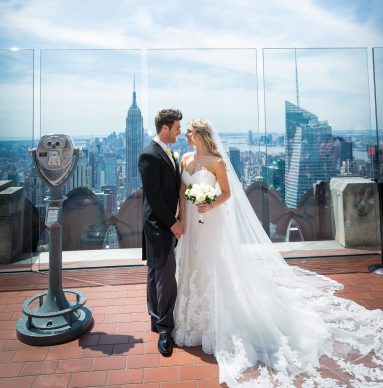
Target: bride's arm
220,173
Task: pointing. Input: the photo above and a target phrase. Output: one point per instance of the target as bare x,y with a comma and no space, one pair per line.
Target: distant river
276,150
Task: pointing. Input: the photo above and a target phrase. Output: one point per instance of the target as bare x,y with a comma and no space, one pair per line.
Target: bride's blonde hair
204,129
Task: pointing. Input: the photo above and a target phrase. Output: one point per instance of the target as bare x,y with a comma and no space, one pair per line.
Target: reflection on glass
19,220
111,238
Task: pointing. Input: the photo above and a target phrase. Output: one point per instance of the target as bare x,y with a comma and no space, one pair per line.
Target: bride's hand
204,207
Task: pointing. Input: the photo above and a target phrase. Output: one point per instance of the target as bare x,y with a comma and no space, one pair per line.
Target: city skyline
102,167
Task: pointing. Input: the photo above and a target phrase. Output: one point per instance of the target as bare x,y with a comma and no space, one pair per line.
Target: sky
230,61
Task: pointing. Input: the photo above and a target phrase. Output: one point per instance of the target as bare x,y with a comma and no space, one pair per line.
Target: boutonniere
176,156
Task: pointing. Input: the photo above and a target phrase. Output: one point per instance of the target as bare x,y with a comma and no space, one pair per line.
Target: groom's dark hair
167,117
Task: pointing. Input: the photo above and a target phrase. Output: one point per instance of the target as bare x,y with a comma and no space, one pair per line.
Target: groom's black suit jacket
161,183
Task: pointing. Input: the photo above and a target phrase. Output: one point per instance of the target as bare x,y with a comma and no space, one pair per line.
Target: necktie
170,156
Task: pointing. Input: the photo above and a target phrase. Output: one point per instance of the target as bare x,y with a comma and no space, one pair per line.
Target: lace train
268,327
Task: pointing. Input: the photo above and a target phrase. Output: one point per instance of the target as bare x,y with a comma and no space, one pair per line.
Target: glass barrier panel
317,137
94,96
219,85
19,218
377,53
319,148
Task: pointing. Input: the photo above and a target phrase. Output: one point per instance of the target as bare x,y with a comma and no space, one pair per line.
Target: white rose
176,155
210,195
200,197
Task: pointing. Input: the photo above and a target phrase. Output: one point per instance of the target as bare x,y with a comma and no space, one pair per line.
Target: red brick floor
120,350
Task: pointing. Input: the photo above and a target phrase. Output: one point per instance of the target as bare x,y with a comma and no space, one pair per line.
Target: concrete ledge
132,256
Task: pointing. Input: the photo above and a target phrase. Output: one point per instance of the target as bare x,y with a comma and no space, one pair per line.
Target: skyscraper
343,151
110,168
134,132
235,159
295,116
309,149
35,187
311,154
274,175
250,139
82,174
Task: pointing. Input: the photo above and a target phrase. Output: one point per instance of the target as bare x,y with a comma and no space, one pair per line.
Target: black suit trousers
162,293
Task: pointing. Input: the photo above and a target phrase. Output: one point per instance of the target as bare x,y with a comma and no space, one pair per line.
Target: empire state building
134,133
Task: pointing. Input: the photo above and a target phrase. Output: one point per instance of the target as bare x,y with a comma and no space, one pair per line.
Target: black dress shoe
165,345
153,327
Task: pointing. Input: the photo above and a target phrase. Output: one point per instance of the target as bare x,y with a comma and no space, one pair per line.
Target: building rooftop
120,350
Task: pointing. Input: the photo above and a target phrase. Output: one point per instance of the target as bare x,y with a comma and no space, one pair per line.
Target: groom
161,182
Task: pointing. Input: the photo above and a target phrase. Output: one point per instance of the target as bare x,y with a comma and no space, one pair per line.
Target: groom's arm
150,175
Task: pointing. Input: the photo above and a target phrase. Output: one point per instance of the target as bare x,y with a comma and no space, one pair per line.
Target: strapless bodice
200,176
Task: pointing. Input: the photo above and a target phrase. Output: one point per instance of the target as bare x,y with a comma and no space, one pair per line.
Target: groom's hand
177,229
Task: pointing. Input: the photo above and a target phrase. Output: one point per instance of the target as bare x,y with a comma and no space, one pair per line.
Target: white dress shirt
161,143
165,147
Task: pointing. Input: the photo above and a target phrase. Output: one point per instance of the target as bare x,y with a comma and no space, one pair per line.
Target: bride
265,322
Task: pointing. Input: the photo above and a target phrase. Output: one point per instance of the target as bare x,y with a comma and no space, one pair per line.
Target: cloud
229,23
333,84
16,110
42,24
205,80
81,92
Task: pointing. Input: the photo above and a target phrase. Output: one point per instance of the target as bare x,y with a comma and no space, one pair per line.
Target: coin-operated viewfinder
55,157
56,319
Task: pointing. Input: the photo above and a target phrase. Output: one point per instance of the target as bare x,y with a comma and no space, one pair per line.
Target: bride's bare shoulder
217,164
220,163
213,163
215,159
187,155
185,159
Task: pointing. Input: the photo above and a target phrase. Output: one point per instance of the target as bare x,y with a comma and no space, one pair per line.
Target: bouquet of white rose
200,193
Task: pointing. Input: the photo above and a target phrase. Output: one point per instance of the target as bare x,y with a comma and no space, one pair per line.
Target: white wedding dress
264,321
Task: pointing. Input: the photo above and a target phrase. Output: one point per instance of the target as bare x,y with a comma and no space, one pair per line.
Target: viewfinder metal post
55,320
